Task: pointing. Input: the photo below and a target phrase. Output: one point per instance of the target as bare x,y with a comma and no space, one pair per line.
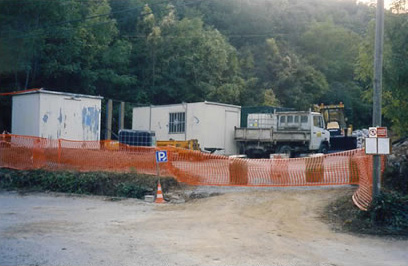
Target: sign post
161,157
372,132
377,142
377,85
381,132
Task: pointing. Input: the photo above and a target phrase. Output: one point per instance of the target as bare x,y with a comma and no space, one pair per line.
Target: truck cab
284,132
303,122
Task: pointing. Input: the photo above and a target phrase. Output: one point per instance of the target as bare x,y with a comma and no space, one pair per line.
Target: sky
387,3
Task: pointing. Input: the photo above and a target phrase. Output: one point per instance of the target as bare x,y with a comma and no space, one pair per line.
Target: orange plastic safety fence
204,169
363,195
23,152
190,167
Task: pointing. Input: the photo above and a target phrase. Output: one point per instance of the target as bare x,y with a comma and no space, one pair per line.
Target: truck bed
269,135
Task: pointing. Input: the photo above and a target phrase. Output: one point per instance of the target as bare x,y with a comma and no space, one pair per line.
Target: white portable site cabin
55,115
212,124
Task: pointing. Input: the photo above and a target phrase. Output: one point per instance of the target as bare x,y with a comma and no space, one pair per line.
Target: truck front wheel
324,148
285,149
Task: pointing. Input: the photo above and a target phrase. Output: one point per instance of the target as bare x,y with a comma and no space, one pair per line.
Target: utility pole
377,95
108,130
122,115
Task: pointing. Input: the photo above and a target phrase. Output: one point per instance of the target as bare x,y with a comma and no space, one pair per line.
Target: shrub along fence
190,167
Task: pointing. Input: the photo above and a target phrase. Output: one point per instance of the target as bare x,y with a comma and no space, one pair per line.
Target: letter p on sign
161,156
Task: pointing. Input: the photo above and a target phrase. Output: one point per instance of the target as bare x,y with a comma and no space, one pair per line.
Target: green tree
245,52
182,60
23,29
395,72
295,83
332,49
82,56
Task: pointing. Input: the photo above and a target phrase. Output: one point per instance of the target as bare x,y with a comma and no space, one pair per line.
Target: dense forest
290,53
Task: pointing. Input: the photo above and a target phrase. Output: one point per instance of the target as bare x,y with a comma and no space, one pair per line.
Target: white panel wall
70,118
141,118
54,116
219,124
212,124
160,122
25,115
51,117
195,120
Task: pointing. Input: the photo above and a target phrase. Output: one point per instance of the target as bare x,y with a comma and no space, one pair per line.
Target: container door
231,121
70,119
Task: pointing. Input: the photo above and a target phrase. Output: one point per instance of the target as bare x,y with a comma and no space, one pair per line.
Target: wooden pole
122,115
108,130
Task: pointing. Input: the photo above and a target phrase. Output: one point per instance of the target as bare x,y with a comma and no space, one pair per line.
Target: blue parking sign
161,156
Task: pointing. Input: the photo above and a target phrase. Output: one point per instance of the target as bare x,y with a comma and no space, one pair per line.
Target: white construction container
212,124
54,115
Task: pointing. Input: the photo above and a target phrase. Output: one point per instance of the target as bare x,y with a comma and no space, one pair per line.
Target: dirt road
276,227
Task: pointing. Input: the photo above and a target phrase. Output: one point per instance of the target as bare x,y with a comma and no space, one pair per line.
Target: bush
390,210
396,178
388,215
131,185
129,190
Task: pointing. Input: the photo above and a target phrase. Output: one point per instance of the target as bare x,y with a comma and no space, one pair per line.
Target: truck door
318,132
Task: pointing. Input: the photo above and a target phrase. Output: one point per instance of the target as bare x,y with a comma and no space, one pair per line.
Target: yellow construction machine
191,144
336,124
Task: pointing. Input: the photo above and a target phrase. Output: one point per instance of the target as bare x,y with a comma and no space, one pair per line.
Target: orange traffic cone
159,196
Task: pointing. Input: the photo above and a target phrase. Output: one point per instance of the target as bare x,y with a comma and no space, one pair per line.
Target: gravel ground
247,226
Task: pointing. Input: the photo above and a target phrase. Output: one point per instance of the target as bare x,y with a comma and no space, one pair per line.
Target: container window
303,119
283,119
297,119
290,119
177,122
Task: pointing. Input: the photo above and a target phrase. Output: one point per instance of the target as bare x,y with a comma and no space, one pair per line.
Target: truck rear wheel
285,149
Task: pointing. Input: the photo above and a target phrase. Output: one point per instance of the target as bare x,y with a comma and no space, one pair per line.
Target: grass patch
387,215
131,185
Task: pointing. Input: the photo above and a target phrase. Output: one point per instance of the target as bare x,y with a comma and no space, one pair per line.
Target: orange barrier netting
363,196
190,167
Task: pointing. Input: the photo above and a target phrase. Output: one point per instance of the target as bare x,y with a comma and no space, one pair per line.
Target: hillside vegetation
291,53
